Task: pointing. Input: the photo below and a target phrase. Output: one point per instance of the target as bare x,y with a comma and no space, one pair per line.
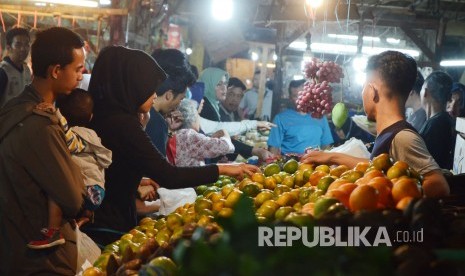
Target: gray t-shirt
408,146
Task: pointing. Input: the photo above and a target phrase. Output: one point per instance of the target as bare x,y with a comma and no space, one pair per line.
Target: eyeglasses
221,83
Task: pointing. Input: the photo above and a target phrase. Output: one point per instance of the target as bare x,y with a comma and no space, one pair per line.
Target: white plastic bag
172,199
353,147
88,251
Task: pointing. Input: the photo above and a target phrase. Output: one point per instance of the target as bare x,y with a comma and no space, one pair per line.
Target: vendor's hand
174,120
152,195
262,154
144,119
47,107
220,133
238,170
316,157
264,125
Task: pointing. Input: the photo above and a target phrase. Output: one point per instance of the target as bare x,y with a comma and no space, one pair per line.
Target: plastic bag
88,251
353,147
172,199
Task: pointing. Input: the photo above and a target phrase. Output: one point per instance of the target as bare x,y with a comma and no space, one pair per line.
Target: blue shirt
295,132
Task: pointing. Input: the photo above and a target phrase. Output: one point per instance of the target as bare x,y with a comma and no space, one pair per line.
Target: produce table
226,231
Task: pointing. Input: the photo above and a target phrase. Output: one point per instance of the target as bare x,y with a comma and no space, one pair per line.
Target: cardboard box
459,153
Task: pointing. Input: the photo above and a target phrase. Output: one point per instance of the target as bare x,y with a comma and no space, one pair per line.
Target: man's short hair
53,46
235,82
295,84
12,33
76,107
418,83
397,70
439,86
178,69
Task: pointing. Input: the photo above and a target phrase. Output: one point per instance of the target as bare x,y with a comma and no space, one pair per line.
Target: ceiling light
314,3
337,49
354,37
222,9
105,2
392,40
275,57
359,63
452,62
254,56
81,3
188,51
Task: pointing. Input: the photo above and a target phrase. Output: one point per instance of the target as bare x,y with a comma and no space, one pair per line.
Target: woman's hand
237,170
174,120
144,119
220,133
264,125
148,189
262,154
316,157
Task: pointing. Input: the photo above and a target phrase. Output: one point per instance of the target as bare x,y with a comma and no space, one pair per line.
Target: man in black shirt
438,130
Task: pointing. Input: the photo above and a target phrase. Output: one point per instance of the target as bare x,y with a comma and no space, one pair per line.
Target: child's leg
51,236
54,215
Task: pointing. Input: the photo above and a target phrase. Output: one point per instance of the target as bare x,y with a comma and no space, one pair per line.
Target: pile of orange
380,184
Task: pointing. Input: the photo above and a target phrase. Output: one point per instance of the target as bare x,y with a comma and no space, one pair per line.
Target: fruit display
217,234
316,97
255,138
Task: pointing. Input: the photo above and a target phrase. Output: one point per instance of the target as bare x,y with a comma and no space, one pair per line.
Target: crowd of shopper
134,126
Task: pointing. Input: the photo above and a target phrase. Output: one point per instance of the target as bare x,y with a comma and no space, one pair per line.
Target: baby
86,151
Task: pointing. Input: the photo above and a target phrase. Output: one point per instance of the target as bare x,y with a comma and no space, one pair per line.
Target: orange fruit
384,191
382,162
363,197
383,180
323,168
258,177
337,183
287,199
347,188
316,176
270,183
305,166
373,173
362,181
362,166
401,165
403,203
352,176
308,208
337,171
397,171
340,195
405,187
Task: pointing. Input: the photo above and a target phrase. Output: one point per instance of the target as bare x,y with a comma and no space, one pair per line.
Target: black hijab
122,80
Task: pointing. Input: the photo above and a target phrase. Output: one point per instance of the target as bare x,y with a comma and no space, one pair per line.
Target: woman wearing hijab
123,84
215,81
